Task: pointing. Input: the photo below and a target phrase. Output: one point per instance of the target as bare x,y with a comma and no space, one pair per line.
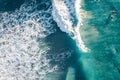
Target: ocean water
59,39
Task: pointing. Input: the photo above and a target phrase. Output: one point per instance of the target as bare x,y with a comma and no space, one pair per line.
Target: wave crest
63,15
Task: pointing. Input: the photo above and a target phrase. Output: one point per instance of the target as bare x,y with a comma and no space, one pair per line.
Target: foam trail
62,16
78,37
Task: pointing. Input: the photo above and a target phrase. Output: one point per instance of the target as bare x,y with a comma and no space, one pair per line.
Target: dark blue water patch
10,5
80,75
60,41
44,5
40,1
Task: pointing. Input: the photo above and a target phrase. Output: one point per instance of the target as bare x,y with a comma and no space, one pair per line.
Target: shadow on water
79,72
12,5
61,40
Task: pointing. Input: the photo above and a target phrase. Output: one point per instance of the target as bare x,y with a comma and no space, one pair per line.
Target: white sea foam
62,15
21,56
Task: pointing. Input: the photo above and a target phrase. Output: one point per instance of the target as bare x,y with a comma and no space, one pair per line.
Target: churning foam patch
79,41
77,28
21,56
62,16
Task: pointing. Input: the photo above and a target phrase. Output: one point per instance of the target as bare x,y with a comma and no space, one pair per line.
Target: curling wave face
67,15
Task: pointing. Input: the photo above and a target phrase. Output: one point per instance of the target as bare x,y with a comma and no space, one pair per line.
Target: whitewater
22,57
62,14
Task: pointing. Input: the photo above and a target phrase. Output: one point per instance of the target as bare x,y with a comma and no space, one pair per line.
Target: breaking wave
21,54
67,15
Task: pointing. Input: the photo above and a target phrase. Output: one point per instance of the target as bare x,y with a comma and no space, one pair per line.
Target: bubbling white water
21,56
62,15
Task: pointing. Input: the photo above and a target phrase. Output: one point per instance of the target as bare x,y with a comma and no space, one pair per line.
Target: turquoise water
103,39
52,54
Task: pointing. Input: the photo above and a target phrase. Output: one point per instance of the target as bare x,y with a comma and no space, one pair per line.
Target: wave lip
62,16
